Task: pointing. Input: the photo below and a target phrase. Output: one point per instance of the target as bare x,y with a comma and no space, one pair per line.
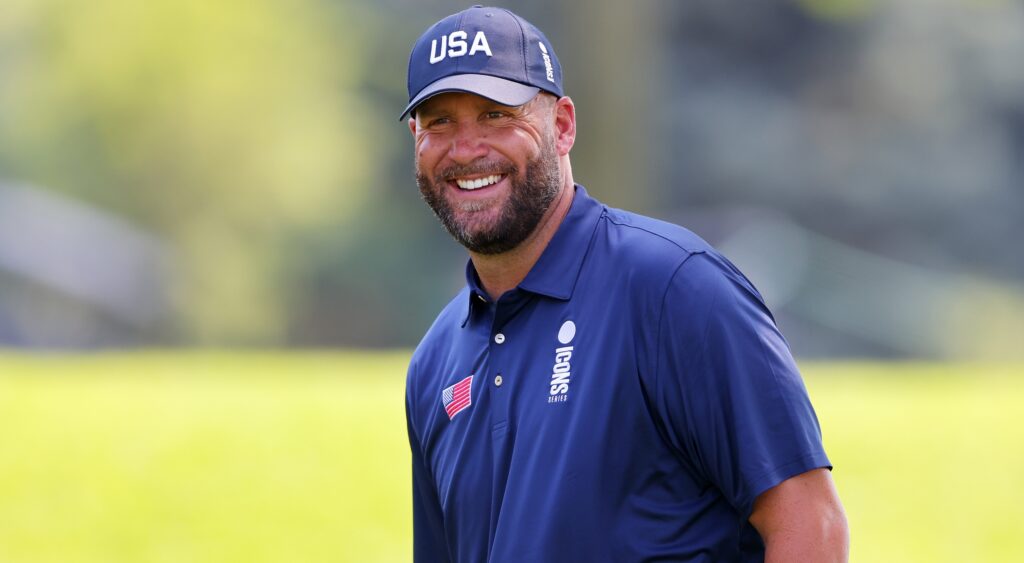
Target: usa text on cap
490,52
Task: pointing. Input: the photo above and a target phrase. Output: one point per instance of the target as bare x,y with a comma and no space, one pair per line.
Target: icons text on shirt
562,370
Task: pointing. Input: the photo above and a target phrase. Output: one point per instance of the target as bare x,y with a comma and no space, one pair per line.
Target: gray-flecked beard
529,200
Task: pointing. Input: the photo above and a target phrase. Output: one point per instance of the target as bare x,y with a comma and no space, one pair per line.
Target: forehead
455,101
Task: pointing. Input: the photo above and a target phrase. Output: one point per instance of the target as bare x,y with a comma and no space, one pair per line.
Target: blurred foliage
268,458
219,125
840,9
258,143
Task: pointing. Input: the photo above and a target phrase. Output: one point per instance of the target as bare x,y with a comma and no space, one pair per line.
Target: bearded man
607,387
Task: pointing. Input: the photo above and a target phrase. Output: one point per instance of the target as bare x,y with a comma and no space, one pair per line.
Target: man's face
488,171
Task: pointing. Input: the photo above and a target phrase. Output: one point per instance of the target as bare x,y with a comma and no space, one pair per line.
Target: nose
468,143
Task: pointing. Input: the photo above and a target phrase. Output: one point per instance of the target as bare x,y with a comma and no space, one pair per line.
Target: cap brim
505,92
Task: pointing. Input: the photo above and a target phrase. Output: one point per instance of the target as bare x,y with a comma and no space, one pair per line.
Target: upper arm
429,542
727,388
802,519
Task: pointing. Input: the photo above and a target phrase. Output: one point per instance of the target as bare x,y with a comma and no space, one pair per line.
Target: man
607,387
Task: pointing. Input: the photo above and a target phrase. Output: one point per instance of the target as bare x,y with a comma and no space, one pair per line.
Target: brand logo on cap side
454,45
547,62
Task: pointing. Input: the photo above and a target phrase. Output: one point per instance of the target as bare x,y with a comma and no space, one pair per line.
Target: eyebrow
427,111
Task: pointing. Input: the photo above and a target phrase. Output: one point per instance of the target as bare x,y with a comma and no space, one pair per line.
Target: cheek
429,150
515,145
424,157
531,141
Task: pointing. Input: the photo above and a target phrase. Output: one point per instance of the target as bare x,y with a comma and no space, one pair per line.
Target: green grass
928,458
278,458
168,458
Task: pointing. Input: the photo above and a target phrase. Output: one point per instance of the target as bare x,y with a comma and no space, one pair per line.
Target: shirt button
499,338
497,381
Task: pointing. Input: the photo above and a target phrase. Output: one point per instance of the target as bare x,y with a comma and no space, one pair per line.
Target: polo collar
558,268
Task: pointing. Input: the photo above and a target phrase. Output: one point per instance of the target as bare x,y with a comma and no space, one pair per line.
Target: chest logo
458,397
561,372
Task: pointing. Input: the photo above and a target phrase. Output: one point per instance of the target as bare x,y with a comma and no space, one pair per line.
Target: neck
502,272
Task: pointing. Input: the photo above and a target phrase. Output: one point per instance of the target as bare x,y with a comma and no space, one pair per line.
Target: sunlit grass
256,458
279,458
928,458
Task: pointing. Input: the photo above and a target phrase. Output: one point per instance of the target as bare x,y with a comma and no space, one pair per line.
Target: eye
438,121
495,114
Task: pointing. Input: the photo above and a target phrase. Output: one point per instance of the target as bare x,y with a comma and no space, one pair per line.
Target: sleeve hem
779,474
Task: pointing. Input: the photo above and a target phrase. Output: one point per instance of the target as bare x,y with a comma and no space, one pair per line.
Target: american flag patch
457,397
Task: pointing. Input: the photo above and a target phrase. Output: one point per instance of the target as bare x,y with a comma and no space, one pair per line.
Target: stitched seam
522,41
458,62
661,324
650,232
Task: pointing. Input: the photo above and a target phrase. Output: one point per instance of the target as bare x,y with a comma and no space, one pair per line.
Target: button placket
500,384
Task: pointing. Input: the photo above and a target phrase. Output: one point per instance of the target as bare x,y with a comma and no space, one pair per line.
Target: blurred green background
260,457
229,173
227,182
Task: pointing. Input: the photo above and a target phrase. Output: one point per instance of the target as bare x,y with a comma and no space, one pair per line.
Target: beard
530,197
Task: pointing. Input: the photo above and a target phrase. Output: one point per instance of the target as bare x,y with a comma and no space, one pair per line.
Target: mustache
479,168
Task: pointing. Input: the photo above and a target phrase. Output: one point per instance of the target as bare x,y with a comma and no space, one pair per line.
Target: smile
477,183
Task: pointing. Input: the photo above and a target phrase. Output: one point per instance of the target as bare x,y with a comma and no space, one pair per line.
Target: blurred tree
220,125
258,141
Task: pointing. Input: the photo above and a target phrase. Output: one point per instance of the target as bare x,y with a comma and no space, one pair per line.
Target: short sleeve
727,390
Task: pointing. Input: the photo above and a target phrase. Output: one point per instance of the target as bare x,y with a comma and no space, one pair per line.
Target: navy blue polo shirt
627,401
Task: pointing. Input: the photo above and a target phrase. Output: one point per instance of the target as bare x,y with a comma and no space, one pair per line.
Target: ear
412,126
565,125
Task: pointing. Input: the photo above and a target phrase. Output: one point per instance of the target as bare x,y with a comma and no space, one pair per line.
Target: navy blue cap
490,52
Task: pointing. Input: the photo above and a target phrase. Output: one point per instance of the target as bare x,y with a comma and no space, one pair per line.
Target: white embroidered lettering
454,45
480,44
457,44
435,56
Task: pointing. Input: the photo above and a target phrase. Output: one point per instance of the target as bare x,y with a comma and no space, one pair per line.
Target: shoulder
662,255
652,236
679,282
651,243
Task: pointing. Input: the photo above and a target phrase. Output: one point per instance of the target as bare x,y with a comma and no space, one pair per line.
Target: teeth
479,182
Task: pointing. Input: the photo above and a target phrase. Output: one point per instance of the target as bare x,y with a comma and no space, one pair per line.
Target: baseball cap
490,52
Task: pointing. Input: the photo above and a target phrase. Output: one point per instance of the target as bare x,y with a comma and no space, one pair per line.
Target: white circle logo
567,332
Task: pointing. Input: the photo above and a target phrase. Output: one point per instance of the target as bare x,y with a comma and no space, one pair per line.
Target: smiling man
607,387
